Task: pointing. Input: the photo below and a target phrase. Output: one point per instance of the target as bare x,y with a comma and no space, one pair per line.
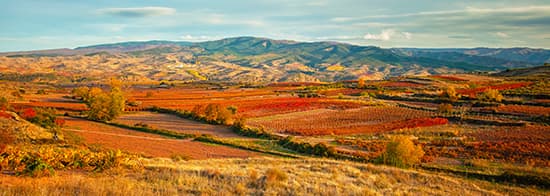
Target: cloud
459,37
407,35
387,34
197,38
138,11
502,35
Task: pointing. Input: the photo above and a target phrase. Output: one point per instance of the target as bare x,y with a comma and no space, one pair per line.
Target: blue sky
45,24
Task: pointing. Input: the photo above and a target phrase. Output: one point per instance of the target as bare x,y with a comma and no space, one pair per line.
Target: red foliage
524,109
424,122
473,92
527,145
450,78
401,84
343,91
5,115
28,113
290,84
60,122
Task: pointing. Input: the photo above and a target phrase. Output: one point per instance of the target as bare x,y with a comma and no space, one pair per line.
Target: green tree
105,106
98,108
118,101
401,152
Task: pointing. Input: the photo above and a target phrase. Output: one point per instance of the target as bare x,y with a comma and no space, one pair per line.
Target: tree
445,108
450,94
98,108
401,152
81,92
103,106
117,99
491,95
4,103
361,82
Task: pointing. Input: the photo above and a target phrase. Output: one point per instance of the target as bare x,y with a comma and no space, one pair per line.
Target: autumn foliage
402,152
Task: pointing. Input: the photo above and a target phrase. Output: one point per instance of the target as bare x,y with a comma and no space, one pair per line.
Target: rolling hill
252,59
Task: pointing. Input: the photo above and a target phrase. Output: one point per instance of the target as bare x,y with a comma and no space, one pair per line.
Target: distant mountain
539,71
527,55
262,59
132,46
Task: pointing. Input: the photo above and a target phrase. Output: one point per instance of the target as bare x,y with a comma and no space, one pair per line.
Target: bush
445,108
401,152
450,94
4,103
491,95
44,117
275,175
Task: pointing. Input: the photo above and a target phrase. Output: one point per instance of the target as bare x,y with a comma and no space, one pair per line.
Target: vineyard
150,145
174,123
523,109
525,145
352,121
506,86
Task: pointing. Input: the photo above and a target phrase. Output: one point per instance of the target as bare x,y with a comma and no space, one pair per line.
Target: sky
48,24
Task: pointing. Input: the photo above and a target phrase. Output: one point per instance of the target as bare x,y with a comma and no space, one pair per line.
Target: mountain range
252,59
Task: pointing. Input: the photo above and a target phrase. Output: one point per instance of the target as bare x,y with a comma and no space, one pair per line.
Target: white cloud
138,11
385,35
197,38
407,35
502,35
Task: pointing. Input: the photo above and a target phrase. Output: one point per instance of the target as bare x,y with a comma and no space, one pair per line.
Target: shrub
4,103
44,117
275,175
450,94
491,95
401,152
445,108
6,138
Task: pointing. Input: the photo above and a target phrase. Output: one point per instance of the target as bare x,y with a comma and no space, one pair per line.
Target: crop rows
364,120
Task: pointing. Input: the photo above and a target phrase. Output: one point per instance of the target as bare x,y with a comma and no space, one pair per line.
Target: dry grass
254,177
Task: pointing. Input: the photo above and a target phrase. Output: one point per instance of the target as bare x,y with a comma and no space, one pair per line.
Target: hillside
251,59
539,71
260,176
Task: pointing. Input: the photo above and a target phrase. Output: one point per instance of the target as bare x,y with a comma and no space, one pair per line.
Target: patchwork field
352,121
150,145
174,123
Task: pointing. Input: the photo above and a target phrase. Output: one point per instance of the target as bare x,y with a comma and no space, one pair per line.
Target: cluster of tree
450,95
240,128
102,106
319,149
215,113
491,95
44,117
